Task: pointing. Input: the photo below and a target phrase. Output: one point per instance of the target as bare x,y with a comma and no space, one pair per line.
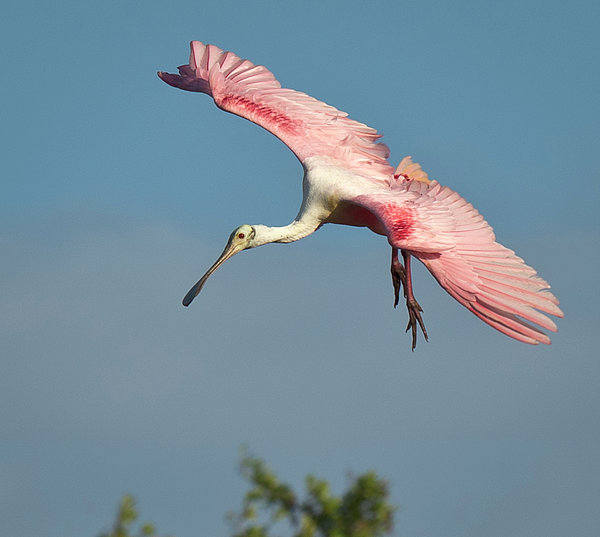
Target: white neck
298,229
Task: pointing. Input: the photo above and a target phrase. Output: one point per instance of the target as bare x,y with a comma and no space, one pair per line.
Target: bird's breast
328,193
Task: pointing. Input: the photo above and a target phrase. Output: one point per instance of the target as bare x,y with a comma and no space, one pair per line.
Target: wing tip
185,82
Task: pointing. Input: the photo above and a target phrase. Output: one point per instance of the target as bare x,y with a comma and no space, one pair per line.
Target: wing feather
307,126
449,236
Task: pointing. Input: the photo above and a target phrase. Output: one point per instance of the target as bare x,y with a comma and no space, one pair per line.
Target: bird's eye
241,235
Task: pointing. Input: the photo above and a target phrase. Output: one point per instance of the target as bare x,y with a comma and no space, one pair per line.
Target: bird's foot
401,278
414,319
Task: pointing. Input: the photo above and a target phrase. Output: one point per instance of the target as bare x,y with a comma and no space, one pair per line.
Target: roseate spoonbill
348,180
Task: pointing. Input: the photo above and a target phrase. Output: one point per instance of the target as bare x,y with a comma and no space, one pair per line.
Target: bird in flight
348,180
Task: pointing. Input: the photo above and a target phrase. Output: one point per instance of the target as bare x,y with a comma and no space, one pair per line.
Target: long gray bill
230,250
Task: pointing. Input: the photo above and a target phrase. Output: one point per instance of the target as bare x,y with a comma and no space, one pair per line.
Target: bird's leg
401,275
413,307
398,275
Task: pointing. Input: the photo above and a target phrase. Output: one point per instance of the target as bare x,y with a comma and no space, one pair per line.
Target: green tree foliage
363,510
272,508
127,515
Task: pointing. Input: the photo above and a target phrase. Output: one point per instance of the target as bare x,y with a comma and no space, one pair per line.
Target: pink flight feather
307,126
449,236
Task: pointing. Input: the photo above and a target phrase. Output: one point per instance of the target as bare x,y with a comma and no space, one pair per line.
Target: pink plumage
307,126
348,180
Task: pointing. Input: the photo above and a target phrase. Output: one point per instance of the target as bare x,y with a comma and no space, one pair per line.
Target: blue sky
119,191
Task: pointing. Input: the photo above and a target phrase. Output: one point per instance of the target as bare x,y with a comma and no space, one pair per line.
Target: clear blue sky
119,191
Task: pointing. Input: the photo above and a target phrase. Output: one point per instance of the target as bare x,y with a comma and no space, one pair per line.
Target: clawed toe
414,319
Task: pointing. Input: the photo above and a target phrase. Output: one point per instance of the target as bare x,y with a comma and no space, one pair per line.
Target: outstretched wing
307,126
451,238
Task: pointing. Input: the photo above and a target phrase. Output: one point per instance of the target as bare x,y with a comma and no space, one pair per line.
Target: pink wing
459,248
307,126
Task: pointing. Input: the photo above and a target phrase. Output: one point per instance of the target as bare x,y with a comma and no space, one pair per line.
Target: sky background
119,191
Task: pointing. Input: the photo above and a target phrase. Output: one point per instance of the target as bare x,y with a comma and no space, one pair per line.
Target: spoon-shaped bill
230,250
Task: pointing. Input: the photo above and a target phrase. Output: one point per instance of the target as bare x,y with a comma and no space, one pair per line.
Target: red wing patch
262,115
398,220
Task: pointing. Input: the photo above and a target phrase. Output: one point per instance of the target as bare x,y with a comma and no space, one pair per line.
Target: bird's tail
408,170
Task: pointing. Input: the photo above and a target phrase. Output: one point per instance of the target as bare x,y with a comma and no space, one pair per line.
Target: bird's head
240,239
